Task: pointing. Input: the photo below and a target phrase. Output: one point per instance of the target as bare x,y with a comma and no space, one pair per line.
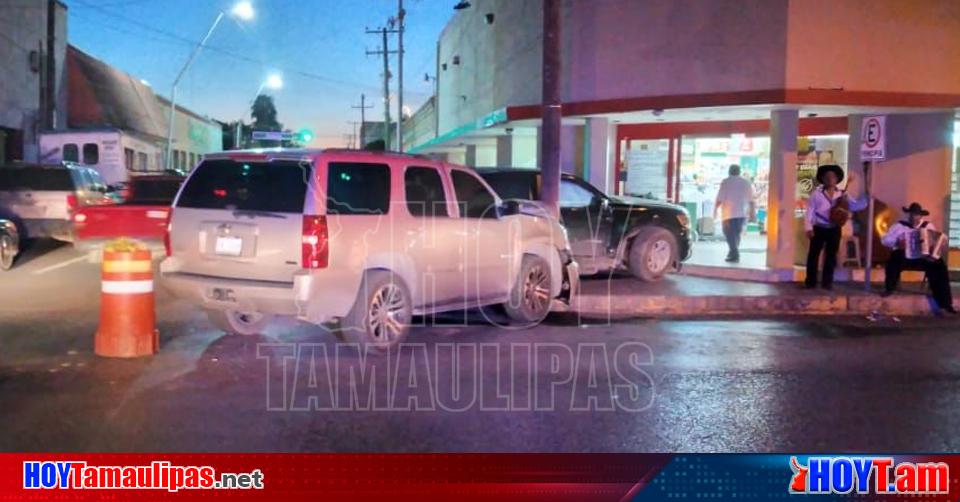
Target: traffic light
305,136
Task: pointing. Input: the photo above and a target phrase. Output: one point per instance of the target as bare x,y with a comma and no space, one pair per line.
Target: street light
242,11
273,81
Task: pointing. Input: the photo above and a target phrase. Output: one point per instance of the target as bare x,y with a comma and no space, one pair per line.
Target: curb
659,305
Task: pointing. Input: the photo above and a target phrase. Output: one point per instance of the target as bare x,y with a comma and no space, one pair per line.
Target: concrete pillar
470,156
598,153
539,152
571,149
782,194
505,151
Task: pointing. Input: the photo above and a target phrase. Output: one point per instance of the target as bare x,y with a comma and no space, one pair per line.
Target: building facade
660,96
26,107
118,125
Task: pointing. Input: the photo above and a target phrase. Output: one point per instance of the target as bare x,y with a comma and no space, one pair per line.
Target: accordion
924,243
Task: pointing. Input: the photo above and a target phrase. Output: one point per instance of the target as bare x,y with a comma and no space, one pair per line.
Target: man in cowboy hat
823,232
936,270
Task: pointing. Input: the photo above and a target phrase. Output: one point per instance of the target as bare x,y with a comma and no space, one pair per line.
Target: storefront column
505,151
782,194
597,156
470,156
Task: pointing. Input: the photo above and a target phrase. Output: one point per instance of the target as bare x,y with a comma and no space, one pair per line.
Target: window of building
574,195
71,153
91,154
193,160
128,159
142,161
183,160
474,199
424,191
358,188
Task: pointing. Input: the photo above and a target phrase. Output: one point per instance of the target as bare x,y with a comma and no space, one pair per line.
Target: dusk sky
317,45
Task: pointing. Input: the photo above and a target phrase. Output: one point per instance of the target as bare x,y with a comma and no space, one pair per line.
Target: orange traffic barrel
127,317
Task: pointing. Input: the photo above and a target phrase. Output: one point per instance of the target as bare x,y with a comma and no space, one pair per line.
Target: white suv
369,239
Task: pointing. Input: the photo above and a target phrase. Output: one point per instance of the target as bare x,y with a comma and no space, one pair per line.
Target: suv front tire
530,297
653,252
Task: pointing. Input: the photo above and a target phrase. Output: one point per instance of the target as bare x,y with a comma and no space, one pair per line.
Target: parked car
41,199
142,215
369,239
9,244
645,236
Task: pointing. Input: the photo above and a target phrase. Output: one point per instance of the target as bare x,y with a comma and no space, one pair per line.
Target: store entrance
704,163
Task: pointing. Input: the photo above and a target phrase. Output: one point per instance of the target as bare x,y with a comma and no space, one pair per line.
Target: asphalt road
813,385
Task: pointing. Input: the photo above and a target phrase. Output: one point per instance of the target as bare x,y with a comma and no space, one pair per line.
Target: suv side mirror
508,208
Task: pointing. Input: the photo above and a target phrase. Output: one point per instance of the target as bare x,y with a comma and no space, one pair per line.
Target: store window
91,153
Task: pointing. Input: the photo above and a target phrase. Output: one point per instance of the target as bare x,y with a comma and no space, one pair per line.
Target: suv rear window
358,188
279,186
43,179
154,191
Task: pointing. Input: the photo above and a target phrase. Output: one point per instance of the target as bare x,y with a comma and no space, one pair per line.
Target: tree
264,115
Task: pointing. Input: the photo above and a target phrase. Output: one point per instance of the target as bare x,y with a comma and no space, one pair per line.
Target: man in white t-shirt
735,203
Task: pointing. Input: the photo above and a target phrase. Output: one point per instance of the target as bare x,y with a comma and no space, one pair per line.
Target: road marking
60,265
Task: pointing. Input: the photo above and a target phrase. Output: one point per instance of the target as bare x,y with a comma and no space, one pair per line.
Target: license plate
229,246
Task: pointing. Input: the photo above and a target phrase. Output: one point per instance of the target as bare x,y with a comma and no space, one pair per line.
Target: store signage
873,138
647,172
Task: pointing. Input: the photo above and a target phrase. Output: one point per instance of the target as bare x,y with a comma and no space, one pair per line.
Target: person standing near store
821,223
735,202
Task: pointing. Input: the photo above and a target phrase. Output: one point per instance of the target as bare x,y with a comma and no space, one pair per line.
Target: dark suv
645,236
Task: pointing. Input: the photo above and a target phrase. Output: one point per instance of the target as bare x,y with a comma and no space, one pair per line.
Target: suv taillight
72,202
314,242
166,233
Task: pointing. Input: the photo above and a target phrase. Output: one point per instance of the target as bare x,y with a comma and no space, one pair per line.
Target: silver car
362,238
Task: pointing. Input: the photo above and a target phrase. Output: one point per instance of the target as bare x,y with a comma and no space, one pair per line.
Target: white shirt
734,197
819,205
894,236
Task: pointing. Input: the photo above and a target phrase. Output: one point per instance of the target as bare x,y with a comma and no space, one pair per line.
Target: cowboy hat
916,208
824,169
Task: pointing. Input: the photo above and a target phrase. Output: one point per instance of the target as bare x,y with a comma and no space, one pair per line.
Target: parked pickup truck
142,215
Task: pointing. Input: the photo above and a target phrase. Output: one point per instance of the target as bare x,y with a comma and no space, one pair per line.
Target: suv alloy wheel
530,297
381,315
652,253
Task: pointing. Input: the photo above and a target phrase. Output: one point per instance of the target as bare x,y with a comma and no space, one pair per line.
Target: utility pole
550,109
385,52
50,120
363,106
401,14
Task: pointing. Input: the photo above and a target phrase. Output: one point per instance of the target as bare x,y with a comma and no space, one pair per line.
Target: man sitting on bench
935,269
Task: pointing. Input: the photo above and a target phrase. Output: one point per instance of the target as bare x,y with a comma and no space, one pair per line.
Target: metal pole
176,81
400,15
551,111
51,67
868,188
386,92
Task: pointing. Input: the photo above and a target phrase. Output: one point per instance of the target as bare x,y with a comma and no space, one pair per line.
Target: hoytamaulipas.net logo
863,475
159,475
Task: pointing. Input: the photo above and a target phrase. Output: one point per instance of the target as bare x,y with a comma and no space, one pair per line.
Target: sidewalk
680,295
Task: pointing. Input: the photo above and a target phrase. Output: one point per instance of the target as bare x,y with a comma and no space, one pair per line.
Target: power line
212,48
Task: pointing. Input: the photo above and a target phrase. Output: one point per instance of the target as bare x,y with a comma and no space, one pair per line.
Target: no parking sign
873,138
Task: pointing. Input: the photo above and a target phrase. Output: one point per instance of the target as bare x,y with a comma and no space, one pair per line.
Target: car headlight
684,219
